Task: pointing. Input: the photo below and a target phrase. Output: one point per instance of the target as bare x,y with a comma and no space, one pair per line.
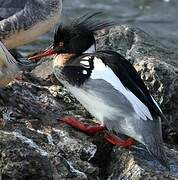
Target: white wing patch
87,57
84,72
101,71
85,62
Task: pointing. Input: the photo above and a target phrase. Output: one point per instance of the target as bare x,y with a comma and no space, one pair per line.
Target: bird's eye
61,44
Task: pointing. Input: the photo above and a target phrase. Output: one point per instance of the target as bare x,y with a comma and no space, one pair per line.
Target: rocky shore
34,144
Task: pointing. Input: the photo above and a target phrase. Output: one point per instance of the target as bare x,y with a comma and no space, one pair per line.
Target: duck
107,85
10,68
22,21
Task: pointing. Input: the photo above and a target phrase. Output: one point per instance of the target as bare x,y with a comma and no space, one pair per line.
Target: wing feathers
101,71
130,79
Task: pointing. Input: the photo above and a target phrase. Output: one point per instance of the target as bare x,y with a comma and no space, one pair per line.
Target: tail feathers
154,145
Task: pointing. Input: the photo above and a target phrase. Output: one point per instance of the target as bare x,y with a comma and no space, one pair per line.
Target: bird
10,67
22,21
107,85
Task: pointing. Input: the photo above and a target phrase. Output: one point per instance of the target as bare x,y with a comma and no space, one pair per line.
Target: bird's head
76,37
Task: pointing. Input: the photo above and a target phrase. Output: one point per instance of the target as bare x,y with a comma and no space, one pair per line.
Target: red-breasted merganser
22,21
107,85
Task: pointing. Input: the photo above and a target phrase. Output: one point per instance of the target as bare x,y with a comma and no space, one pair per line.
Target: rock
138,164
34,144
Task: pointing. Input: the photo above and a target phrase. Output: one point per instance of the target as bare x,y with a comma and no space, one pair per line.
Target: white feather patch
156,103
101,71
94,104
86,63
84,72
87,57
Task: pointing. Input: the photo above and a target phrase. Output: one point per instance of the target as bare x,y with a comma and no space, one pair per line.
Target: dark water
157,17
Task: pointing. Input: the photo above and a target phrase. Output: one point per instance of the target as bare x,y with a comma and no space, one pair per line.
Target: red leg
74,122
118,142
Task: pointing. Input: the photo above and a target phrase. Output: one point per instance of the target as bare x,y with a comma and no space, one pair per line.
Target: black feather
88,22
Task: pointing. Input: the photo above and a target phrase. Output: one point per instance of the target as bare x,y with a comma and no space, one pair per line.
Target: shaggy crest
88,22
78,36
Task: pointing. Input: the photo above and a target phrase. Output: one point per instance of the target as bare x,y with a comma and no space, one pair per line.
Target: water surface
159,18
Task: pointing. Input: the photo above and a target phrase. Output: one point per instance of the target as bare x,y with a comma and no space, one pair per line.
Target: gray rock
35,145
